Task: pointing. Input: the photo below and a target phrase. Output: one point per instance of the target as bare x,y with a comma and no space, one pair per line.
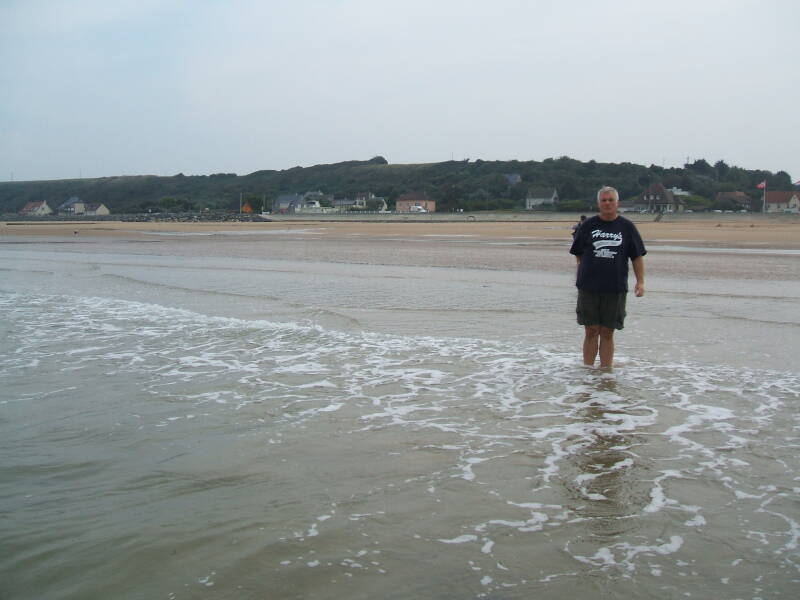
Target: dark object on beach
578,225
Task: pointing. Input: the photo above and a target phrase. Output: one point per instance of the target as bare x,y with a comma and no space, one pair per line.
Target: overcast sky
94,88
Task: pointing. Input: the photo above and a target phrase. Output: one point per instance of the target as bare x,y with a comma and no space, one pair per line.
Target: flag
762,185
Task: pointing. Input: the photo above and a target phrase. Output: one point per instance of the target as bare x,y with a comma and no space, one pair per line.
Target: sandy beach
744,231
726,272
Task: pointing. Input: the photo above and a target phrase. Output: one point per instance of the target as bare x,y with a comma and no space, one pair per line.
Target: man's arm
638,271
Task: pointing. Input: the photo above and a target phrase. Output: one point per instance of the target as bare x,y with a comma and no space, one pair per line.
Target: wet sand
727,231
719,290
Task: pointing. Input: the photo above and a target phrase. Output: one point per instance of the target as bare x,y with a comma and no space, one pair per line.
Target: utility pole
240,202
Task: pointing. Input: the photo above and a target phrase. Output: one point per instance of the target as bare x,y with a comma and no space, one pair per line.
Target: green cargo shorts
601,308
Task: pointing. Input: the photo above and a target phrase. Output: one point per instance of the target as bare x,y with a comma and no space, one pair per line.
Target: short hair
607,188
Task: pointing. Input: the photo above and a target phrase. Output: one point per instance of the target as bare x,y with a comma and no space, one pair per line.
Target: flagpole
764,197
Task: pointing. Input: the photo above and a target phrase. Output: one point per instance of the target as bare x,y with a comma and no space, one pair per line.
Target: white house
783,202
676,191
75,206
36,209
539,197
96,210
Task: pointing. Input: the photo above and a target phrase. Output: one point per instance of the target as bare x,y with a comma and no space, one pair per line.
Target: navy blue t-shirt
604,248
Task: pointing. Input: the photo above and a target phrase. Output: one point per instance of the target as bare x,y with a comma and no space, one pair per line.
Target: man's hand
638,270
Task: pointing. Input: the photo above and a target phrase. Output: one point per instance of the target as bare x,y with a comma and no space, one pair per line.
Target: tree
175,205
453,184
478,200
518,192
781,181
569,190
725,204
451,198
497,184
574,206
701,167
696,203
722,169
254,200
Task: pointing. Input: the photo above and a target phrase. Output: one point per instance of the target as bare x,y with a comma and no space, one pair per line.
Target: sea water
157,445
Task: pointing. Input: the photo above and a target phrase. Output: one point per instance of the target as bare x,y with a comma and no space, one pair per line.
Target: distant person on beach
602,246
577,226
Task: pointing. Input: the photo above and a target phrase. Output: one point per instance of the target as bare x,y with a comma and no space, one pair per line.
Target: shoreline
393,217
726,230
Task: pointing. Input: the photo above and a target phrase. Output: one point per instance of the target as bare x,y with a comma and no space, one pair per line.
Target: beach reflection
603,475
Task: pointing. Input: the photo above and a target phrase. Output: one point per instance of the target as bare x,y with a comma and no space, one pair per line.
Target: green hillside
469,185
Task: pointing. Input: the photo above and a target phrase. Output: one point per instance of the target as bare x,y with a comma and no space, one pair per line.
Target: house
286,203
308,205
736,198
539,197
317,202
345,203
414,202
315,198
73,206
36,209
657,199
371,201
782,201
96,210
360,201
635,205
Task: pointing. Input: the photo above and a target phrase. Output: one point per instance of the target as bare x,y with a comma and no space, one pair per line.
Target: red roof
31,206
656,188
780,196
413,197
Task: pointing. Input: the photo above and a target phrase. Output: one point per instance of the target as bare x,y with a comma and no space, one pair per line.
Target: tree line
465,184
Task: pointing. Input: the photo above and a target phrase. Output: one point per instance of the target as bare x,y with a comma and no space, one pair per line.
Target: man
577,225
602,246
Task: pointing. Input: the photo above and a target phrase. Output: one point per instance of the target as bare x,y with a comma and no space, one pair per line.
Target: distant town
656,199
375,186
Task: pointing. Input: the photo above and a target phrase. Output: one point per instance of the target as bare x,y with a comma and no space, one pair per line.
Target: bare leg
606,347
591,344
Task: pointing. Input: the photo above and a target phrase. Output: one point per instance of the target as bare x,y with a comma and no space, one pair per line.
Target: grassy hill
471,185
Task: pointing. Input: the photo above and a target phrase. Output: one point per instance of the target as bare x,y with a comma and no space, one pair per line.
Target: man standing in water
602,246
